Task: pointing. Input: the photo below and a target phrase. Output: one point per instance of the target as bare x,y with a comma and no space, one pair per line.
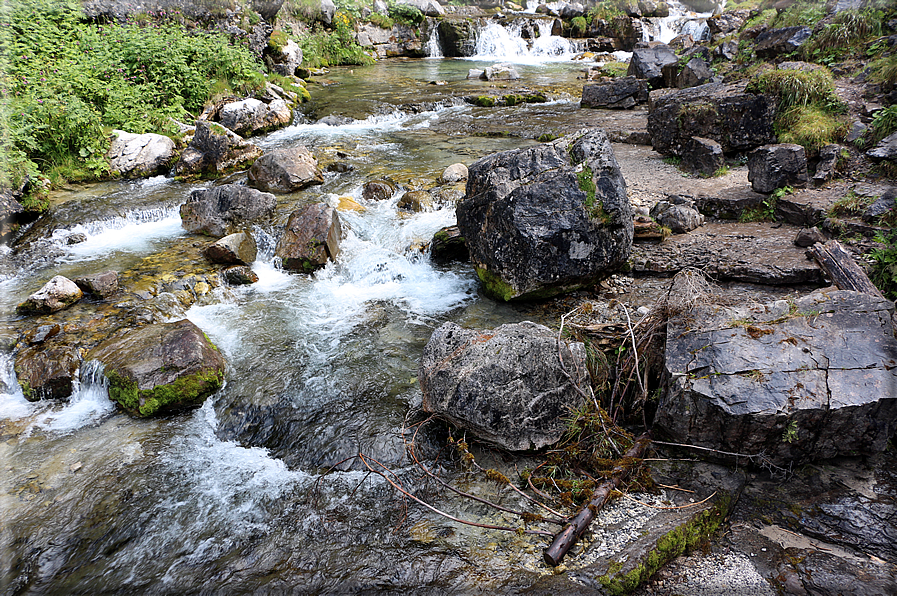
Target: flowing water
230,498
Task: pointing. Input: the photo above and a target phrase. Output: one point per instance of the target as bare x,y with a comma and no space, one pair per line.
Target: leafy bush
332,48
884,123
605,10
884,268
381,20
405,14
69,82
579,25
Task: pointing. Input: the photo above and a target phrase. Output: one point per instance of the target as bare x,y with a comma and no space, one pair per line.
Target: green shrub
884,267
848,30
605,10
381,20
332,48
405,14
579,25
810,126
884,123
805,13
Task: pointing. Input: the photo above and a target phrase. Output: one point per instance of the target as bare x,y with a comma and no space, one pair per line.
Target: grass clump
884,266
605,10
579,26
805,13
848,30
884,70
766,211
851,204
405,14
884,123
381,20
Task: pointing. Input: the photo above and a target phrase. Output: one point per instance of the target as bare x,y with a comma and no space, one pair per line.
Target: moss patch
185,391
495,286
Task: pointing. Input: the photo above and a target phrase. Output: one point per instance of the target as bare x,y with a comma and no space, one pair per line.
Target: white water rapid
682,20
498,43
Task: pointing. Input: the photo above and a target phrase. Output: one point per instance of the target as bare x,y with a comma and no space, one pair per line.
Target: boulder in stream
133,155
546,219
160,368
57,294
449,245
214,151
251,116
798,380
99,285
454,173
233,249
225,209
285,170
505,385
47,372
378,190
10,210
240,275
311,238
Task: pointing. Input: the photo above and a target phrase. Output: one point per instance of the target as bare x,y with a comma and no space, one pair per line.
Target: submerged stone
47,372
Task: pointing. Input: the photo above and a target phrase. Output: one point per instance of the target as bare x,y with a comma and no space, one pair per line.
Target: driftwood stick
841,268
569,535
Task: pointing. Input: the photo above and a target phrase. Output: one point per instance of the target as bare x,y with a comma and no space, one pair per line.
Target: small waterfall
132,232
434,50
495,42
682,20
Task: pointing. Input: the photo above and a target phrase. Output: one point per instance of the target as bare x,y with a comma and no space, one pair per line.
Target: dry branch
841,268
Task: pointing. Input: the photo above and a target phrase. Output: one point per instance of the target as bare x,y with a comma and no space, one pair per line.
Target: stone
233,249
449,245
457,38
622,93
737,120
57,294
857,130
702,156
777,166
311,238
240,275
454,173
796,381
133,155
571,10
285,170
886,149
475,73
430,8
504,385
416,200
286,59
678,217
531,228
727,50
47,372
10,211
160,368
328,10
42,333
76,238
501,72
809,236
724,23
99,285
225,209
381,7
704,5
682,42
646,63
350,204
251,116
378,190
695,72
214,151
828,162
776,42
883,205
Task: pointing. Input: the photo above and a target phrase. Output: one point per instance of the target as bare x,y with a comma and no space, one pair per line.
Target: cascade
434,50
682,20
496,42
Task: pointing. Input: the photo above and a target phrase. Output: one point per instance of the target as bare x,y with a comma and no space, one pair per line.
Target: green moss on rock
185,391
495,286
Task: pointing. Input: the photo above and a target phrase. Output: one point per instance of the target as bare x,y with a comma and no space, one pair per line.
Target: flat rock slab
795,381
761,253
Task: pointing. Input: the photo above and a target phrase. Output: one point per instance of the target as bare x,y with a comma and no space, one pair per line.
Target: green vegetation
614,69
184,391
766,211
494,285
884,70
884,123
605,10
321,47
381,20
847,32
809,111
405,14
68,83
884,267
804,13
851,204
579,26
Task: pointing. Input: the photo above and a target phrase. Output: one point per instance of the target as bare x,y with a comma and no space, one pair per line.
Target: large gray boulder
311,238
225,209
505,385
285,60
776,166
546,219
616,94
10,211
99,285
55,295
801,380
777,42
737,120
133,155
430,8
285,170
251,116
233,249
47,372
886,149
160,368
702,156
648,63
214,151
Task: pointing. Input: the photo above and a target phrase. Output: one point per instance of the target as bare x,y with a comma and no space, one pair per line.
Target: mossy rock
160,368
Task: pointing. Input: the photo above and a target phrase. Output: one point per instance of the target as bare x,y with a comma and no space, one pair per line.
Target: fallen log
574,531
841,268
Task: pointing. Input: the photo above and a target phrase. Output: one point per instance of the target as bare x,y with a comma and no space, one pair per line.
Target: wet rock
76,238
531,227
10,209
475,73
777,166
886,149
883,205
57,294
214,151
234,249
682,42
47,372
454,173
797,381
378,190
335,120
505,385
251,116
134,155
857,130
677,214
828,161
42,333
703,5
457,37
501,72
160,368
702,156
449,245
620,93
571,10
416,200
240,275
726,50
285,170
646,63
286,59
225,209
776,42
99,285
737,120
311,237
349,204
809,236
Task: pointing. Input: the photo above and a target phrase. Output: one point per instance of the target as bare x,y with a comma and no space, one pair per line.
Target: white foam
13,404
497,43
136,232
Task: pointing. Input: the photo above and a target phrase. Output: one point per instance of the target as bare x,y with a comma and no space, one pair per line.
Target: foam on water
135,232
497,43
13,404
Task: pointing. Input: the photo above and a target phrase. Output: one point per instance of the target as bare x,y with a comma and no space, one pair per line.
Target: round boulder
234,249
285,170
57,294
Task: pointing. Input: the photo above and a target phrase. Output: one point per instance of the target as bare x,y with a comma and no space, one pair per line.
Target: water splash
434,50
495,42
681,20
